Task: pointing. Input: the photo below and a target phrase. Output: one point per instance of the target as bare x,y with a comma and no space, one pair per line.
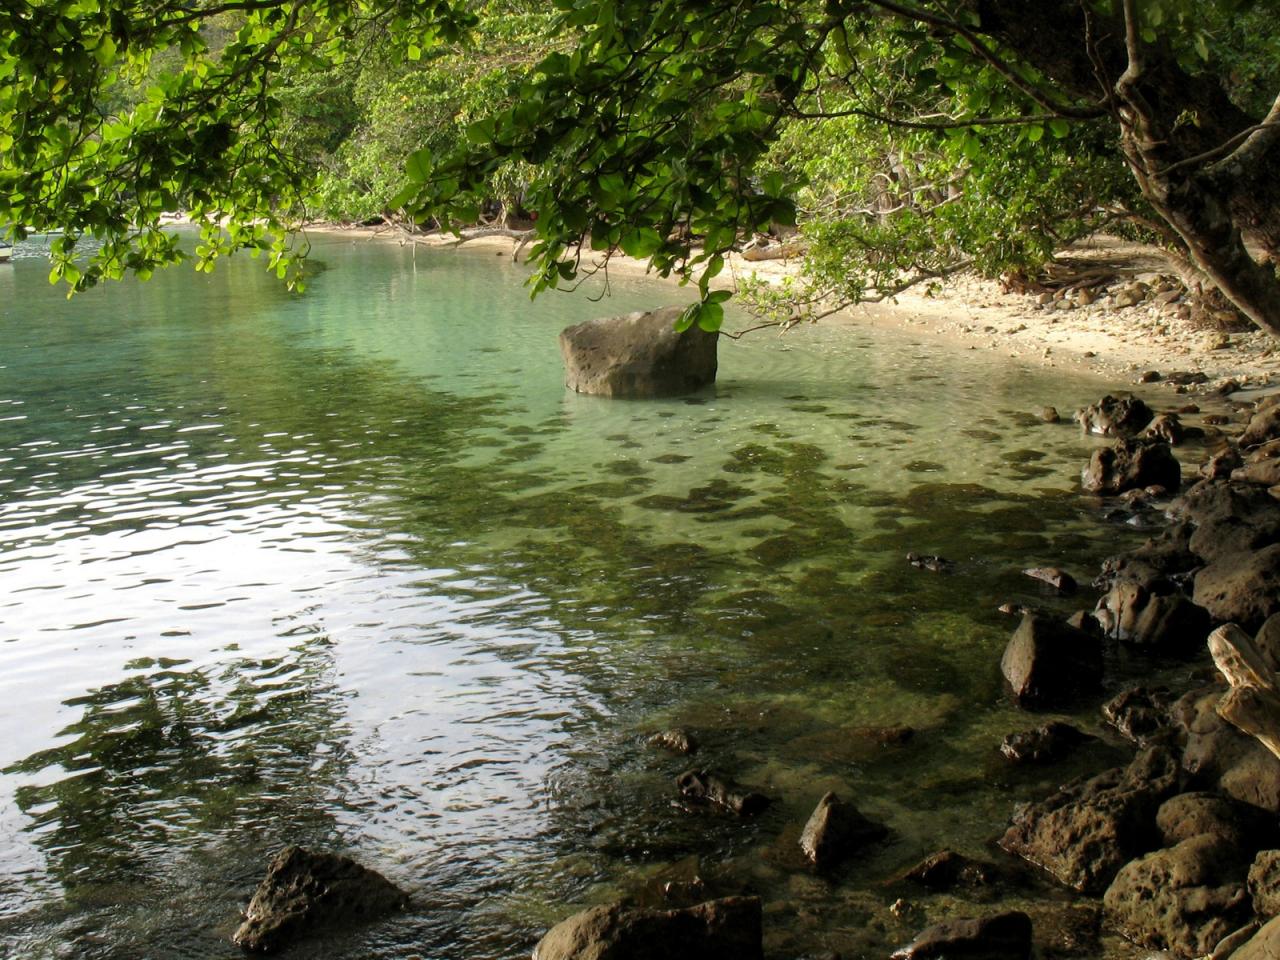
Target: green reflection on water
502,587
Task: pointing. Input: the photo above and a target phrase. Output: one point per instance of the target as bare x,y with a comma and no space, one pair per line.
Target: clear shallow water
354,570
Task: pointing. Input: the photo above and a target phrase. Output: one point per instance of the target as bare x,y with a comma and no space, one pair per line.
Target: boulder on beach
1264,883
1131,465
1123,416
726,929
306,890
1218,756
1183,899
1241,588
1084,832
1159,615
1232,823
638,355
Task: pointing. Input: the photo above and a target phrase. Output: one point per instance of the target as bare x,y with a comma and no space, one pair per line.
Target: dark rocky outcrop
638,355
1139,714
1162,559
1168,428
836,830
306,890
1265,473
727,929
1242,588
1131,465
1264,425
1048,742
1123,416
705,789
1229,518
1264,883
1082,834
1218,756
1049,662
1183,899
947,869
1159,615
1233,824
1003,936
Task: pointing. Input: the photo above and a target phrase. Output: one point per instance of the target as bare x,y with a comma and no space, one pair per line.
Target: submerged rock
947,869
1082,834
638,355
1055,577
305,890
677,740
704,788
1003,936
933,564
726,929
836,830
1050,741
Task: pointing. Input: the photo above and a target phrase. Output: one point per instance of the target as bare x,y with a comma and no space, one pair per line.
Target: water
354,570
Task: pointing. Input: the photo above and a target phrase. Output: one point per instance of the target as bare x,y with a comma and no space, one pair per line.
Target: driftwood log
1253,702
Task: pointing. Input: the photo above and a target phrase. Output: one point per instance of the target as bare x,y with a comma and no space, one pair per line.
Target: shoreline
968,312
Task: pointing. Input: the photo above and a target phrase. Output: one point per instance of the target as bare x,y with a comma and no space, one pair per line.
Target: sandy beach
1145,342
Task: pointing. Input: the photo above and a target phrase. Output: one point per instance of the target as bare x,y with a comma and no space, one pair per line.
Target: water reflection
353,569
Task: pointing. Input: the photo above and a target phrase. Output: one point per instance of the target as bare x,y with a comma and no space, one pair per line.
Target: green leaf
641,243
710,316
419,166
688,316
1059,127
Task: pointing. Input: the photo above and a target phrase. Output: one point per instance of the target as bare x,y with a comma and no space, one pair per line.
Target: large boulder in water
638,355
836,830
1131,465
727,929
1049,662
305,890
1123,416
1004,936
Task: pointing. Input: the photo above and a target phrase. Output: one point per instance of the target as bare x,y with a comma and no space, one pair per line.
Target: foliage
97,142
914,136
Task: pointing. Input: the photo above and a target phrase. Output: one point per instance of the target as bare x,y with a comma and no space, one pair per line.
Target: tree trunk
1210,170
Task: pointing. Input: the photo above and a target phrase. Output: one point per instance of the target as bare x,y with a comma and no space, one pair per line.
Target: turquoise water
353,569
